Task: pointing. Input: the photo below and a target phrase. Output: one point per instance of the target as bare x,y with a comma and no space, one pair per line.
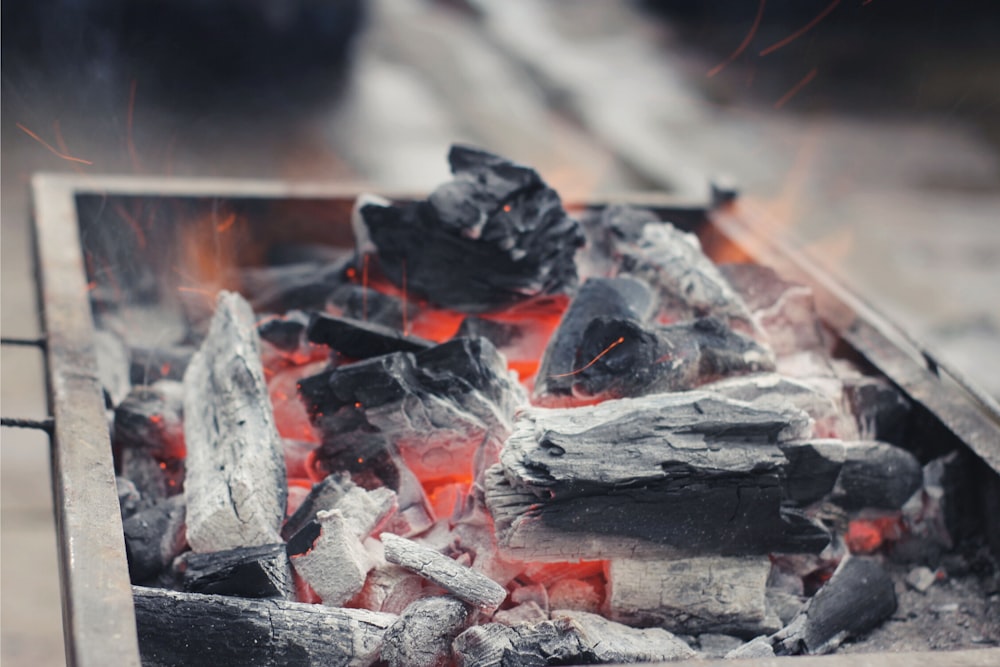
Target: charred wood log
154,537
193,630
236,485
495,236
812,470
249,572
423,634
856,599
618,357
690,473
361,340
462,582
607,297
693,595
570,638
152,418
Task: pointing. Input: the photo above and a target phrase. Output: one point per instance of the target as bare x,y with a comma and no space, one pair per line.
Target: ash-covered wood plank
235,485
687,473
462,582
193,630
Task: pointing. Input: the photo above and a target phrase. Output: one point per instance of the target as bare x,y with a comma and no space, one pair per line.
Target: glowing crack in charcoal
506,436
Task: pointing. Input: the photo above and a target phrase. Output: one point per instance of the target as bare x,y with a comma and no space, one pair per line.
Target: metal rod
24,342
47,424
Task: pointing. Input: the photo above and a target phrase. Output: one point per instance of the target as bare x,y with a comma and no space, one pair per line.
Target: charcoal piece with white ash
154,537
129,498
882,410
152,418
786,311
876,475
693,595
322,496
688,473
150,364
235,484
813,469
858,598
360,302
569,638
493,237
285,332
154,479
333,562
620,357
357,339
196,630
464,583
301,286
671,261
597,297
249,572
423,633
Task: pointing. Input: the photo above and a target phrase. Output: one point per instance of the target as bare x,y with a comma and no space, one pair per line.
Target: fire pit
149,256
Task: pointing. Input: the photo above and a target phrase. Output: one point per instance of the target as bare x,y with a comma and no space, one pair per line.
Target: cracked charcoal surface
495,236
422,635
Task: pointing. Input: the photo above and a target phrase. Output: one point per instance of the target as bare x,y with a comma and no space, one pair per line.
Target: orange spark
129,117
796,88
226,223
91,286
52,149
801,31
744,44
621,339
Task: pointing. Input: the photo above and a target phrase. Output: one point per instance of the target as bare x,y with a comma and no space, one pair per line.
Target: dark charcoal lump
495,236
250,572
621,357
360,340
285,333
877,475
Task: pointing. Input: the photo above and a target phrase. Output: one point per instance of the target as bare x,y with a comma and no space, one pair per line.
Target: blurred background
867,131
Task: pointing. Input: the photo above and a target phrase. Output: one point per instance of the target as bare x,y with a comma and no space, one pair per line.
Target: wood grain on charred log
422,635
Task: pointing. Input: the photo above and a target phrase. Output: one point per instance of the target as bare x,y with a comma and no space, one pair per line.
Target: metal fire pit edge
98,611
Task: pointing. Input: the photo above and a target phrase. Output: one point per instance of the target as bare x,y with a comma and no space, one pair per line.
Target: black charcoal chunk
876,475
249,572
494,236
597,297
149,364
812,470
364,303
856,599
196,630
154,537
361,340
287,333
423,634
618,357
323,496
881,409
686,473
154,479
152,418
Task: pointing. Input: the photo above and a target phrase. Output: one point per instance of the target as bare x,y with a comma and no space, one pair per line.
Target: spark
796,88
51,148
744,44
621,339
226,223
801,31
129,118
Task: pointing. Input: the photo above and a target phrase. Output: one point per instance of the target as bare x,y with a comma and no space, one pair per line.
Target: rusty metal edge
98,612
847,314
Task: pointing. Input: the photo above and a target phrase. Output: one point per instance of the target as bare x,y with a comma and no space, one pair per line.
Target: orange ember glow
621,339
865,536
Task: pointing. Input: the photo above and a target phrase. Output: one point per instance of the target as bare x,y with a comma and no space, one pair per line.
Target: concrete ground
601,99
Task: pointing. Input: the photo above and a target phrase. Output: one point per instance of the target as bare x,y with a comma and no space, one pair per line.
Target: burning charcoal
323,496
570,638
249,572
305,286
526,612
785,311
154,537
460,581
501,334
129,498
154,479
493,237
287,332
113,366
672,262
831,417
618,358
688,473
693,595
361,340
335,564
882,410
608,297
196,630
858,597
391,589
235,483
422,635
574,594
876,475
152,418
812,470
151,364
758,647
363,303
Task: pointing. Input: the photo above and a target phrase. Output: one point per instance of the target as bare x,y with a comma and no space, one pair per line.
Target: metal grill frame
98,612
